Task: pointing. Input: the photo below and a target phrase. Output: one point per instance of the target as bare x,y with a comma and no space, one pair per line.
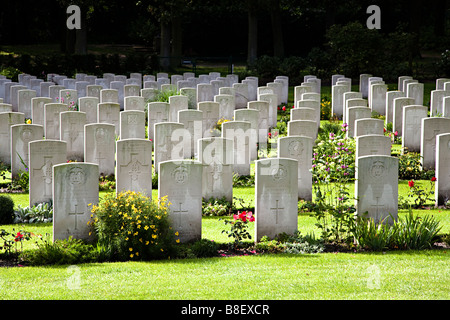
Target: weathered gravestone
305,128
376,188
263,122
350,103
180,181
99,146
52,118
397,113
44,154
108,112
177,103
193,123
132,124
415,91
272,99
134,103
337,100
355,113
252,116
88,105
134,166
72,131
211,114
412,126
378,94
157,112
37,109
216,156
369,126
276,197
372,145
244,143
7,119
75,189
312,104
226,105
390,97
430,128
171,142
241,95
21,136
300,149
24,101
442,186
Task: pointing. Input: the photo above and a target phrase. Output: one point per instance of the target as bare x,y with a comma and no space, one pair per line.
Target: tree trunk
164,54
252,49
81,35
177,42
277,30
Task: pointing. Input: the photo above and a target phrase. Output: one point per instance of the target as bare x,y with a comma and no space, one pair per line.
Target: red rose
284,108
411,184
433,179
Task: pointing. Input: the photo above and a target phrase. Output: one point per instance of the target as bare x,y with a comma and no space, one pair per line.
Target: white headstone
37,109
171,142
355,113
226,105
88,105
369,126
180,181
100,146
372,145
157,112
300,149
44,154
390,97
442,185
134,166
132,124
412,126
75,190
51,119
415,91
211,115
21,136
397,113
216,155
376,188
378,94
24,98
7,119
276,197
430,128
193,123
305,128
72,131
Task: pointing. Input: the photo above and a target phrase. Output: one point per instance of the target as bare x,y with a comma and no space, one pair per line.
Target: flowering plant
13,239
239,225
332,171
421,195
132,226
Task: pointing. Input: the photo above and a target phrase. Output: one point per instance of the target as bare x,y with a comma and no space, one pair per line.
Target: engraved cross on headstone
377,206
277,208
179,212
76,212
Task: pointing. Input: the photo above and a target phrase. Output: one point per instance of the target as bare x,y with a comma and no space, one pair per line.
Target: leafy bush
6,210
216,207
293,244
69,251
132,226
204,248
42,212
411,232
410,167
444,63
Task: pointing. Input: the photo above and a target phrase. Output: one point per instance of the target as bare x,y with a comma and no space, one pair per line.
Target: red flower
384,129
396,133
270,135
411,184
18,237
433,179
284,108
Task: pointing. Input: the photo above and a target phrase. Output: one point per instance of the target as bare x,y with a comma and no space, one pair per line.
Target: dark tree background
244,29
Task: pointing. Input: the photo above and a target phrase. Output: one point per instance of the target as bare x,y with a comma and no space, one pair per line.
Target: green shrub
216,207
204,248
68,251
42,212
410,167
411,232
133,226
6,210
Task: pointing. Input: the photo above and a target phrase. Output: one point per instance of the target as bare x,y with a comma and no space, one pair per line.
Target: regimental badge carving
378,169
295,148
180,174
76,176
278,172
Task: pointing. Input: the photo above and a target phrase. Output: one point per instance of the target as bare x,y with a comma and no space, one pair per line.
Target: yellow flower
131,249
146,227
131,255
154,236
146,243
176,233
178,241
29,121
